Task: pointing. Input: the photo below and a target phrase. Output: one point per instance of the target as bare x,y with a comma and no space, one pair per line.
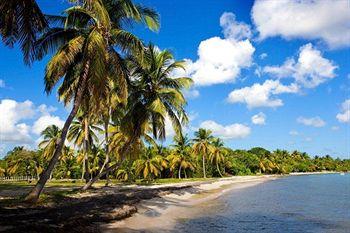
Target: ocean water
313,203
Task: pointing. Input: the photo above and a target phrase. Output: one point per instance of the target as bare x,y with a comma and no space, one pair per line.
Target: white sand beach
166,210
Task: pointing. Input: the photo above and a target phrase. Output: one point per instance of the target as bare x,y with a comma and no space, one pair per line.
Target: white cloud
262,95
344,116
259,119
327,20
234,29
293,133
310,70
2,83
312,121
308,139
12,130
233,131
220,60
44,121
14,126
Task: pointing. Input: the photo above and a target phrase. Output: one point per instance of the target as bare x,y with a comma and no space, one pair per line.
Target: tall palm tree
217,154
85,56
21,21
202,145
154,95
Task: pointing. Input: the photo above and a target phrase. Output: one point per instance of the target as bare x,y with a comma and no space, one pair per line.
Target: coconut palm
181,157
217,155
82,133
50,136
202,146
21,21
85,57
150,164
154,95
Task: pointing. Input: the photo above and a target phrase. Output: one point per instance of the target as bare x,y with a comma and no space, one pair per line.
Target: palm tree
217,154
154,95
150,164
50,136
21,21
202,146
181,156
82,133
85,57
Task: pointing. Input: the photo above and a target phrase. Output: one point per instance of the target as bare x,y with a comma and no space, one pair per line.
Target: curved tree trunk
180,172
217,167
34,194
204,174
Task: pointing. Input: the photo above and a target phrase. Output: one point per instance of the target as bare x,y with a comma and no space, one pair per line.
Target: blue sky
274,74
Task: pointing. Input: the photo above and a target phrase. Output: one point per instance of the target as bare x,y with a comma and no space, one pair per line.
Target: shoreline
169,208
126,208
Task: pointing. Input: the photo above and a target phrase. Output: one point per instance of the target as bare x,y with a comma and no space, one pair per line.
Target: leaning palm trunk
34,194
180,172
217,168
123,151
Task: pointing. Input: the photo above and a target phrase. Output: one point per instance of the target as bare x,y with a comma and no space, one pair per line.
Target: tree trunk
34,194
204,175
123,151
180,172
217,167
83,171
185,173
105,163
86,148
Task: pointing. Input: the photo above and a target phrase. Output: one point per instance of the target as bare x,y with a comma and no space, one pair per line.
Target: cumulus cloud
326,20
12,129
44,121
310,70
312,121
262,95
259,119
344,115
233,131
16,118
220,60
233,29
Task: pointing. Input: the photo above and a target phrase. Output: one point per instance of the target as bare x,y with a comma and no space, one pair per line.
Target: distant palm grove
179,160
121,92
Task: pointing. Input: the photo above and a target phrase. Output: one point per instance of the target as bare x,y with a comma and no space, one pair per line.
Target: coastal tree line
184,158
121,92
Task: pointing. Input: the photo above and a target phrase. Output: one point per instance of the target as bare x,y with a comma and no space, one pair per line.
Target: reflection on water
315,203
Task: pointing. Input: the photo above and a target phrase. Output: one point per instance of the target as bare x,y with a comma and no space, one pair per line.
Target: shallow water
313,203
